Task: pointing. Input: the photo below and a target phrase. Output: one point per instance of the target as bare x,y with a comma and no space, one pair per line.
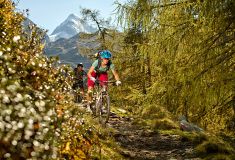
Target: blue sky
48,14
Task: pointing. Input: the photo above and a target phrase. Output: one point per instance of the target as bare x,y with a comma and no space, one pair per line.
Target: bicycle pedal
103,111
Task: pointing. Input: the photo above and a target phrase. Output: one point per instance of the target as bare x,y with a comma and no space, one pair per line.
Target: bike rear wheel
103,109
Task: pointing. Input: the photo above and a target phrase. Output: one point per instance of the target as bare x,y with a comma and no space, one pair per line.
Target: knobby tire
103,109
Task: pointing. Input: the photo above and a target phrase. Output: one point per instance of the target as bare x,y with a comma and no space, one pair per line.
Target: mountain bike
78,96
101,107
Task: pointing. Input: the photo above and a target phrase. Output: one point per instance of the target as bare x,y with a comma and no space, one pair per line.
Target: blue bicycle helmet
105,54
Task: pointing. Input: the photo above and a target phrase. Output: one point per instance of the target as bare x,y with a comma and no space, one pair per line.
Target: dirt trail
142,144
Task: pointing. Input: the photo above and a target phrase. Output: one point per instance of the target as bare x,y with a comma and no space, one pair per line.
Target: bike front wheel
103,109
78,98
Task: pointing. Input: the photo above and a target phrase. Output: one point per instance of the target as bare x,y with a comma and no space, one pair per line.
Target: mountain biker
99,70
79,74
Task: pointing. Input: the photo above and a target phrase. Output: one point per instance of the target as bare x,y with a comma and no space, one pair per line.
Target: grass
207,146
215,148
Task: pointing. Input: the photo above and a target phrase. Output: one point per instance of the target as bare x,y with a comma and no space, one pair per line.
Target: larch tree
190,45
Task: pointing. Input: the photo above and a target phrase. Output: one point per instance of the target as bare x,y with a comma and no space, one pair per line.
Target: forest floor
140,143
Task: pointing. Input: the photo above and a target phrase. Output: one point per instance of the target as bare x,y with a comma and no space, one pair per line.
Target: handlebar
104,82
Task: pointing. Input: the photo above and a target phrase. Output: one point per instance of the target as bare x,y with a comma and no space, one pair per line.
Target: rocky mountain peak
70,27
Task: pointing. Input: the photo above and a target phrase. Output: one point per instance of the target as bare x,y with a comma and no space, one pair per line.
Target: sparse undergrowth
82,137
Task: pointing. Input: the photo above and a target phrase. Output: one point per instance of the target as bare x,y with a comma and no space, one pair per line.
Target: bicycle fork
98,104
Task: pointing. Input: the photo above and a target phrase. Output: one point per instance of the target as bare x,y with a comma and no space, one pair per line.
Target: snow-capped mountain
70,27
74,41
69,50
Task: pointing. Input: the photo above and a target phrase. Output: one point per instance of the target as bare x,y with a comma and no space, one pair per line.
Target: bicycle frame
102,101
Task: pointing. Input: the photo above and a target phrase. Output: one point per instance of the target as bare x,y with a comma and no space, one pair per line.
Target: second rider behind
79,74
99,70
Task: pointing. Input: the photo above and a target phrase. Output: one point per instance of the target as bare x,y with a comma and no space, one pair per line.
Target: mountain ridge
79,45
69,50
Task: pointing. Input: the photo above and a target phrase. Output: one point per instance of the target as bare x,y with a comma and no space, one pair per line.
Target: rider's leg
103,77
90,85
81,88
89,94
